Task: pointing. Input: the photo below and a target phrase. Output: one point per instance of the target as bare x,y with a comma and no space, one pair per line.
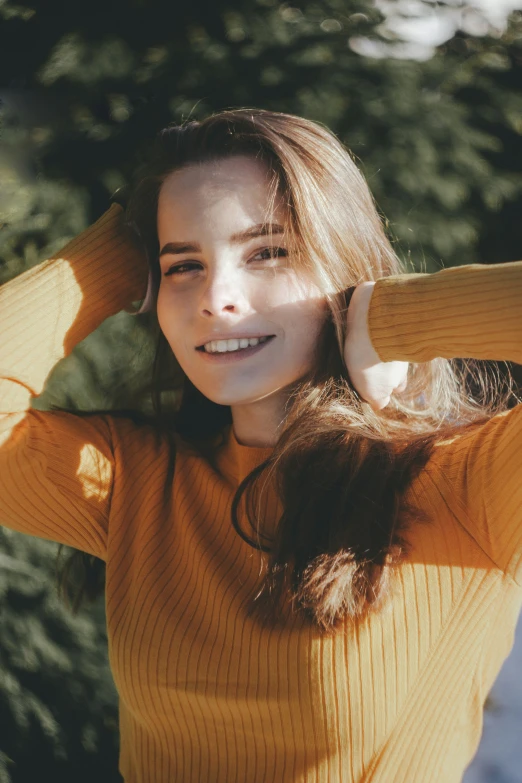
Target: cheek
284,291
289,301
171,317
302,333
309,314
171,306
307,331
161,313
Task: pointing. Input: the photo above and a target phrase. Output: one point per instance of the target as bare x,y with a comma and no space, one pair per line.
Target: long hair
340,468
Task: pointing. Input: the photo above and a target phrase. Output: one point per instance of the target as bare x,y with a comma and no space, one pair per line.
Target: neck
258,423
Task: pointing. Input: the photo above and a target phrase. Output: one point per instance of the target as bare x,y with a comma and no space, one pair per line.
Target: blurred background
427,95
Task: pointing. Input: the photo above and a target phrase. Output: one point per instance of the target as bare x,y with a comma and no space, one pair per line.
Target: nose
223,293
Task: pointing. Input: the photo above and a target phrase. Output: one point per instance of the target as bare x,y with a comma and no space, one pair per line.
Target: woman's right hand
374,380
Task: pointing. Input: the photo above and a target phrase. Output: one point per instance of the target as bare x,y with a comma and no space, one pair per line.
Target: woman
362,641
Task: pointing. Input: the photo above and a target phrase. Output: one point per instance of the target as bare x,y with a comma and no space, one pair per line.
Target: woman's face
222,280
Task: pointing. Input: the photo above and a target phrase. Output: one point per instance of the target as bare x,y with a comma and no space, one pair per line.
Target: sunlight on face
217,285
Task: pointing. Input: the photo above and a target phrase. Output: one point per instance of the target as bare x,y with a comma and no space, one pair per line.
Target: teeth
225,346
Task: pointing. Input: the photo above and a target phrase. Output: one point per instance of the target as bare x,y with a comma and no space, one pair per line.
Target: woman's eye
271,252
181,268
266,254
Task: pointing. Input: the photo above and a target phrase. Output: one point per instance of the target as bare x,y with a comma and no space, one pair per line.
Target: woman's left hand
374,380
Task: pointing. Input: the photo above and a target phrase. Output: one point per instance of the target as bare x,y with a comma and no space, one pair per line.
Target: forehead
228,194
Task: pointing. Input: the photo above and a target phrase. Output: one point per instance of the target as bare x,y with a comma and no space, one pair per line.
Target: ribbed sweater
205,694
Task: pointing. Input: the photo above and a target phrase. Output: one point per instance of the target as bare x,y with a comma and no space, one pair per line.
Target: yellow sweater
205,695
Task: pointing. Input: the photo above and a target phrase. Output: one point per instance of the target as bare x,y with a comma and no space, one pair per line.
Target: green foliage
58,707
437,140
90,84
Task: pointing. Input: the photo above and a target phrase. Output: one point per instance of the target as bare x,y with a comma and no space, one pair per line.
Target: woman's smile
214,352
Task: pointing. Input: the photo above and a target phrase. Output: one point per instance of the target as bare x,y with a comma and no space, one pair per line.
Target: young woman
314,566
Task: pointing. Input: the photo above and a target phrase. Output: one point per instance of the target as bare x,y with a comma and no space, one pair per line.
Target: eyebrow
257,230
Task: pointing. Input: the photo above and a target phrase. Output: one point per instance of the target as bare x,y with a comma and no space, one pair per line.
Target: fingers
378,406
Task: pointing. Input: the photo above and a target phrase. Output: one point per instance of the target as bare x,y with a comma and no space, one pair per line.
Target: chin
230,399
236,397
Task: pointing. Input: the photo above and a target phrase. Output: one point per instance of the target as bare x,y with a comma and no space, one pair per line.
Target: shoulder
134,430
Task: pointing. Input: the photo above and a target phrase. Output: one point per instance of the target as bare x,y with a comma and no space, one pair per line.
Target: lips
223,338
226,357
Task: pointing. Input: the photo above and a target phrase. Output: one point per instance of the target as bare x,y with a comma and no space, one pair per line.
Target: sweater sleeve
472,311
57,469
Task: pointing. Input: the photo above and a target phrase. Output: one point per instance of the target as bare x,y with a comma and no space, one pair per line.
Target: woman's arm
49,309
472,311
55,468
